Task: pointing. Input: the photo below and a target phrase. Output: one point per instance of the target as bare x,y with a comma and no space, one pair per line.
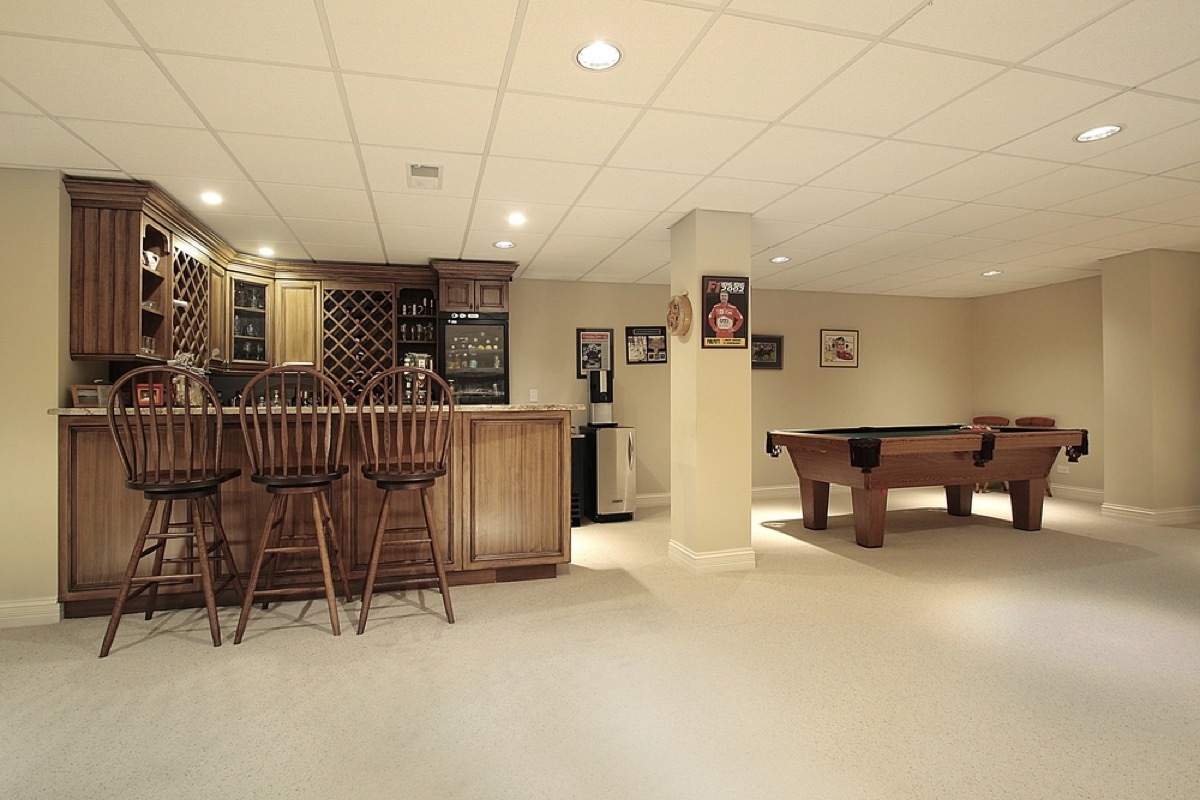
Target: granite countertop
491,409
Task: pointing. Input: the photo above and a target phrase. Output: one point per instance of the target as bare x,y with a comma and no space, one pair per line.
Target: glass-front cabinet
248,323
474,357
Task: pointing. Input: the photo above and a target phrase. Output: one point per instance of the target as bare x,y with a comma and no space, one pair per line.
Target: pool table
872,460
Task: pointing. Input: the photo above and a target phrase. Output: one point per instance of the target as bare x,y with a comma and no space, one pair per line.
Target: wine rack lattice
358,330
189,327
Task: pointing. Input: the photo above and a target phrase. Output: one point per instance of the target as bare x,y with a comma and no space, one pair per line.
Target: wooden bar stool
294,420
166,422
405,422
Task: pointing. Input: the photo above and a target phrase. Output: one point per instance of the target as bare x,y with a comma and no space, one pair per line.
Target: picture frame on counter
766,352
646,344
593,350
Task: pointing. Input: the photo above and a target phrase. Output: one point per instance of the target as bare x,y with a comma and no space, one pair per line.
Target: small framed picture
593,350
766,352
646,345
839,348
726,312
149,394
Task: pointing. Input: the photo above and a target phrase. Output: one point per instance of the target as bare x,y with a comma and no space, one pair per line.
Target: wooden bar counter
504,509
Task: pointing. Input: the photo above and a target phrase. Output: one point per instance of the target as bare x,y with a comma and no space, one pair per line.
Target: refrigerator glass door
474,359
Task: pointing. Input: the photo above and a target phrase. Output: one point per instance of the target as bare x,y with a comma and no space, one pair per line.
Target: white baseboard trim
659,500
1095,496
21,613
1150,516
740,558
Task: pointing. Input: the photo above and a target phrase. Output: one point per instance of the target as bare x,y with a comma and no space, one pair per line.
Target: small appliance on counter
600,398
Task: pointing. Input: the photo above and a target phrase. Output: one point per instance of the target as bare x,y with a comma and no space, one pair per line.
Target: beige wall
34,265
1039,353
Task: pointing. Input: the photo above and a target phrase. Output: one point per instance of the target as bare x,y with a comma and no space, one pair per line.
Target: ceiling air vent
424,176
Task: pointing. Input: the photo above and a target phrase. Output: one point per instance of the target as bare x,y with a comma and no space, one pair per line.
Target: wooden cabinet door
218,319
491,296
297,311
514,488
456,294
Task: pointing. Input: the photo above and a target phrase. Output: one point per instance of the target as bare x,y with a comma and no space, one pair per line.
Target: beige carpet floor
965,661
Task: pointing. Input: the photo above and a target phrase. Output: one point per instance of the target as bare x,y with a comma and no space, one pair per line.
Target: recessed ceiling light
212,198
598,56
991,273
266,251
517,218
1096,134
503,245
780,259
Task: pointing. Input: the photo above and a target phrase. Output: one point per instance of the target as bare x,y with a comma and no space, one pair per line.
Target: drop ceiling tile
1074,257
793,155
241,97
1129,196
724,73
525,180
658,277
580,246
954,247
283,31
827,238
481,244
1062,186
769,233
460,41
831,263
895,211
1139,40
395,208
1011,251
1141,114
347,253
622,223
402,241
27,141
966,218
1008,107
415,115
1009,31
1169,237
895,265
1030,225
1190,173
1090,231
387,170
13,103
1162,153
81,20
1183,82
636,189
893,243
1178,209
654,36
492,215
889,88
157,150
980,176
319,202
659,229
816,204
558,129
872,18
277,159
642,252
683,142
93,82
890,166
728,194
556,268
247,232
761,267
312,232
240,196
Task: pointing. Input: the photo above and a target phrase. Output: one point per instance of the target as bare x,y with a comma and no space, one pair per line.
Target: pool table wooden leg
958,499
1027,498
814,500
870,508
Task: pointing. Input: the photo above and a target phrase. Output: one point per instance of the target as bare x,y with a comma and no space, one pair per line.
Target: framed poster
646,345
726,312
766,352
593,350
839,348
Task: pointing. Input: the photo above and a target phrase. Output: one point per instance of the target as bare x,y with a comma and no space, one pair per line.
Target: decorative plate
679,315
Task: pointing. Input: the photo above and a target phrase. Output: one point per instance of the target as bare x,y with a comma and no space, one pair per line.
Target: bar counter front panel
503,511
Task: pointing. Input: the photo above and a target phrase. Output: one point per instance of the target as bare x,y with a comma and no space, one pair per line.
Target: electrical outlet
1063,469
533,395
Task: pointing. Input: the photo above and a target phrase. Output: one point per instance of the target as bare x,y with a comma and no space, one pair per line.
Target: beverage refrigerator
473,356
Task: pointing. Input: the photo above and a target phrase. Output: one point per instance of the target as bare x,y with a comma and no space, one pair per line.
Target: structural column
1151,302
710,405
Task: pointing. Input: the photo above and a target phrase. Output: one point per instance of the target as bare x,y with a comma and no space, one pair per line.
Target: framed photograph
593,350
726,312
839,348
89,395
646,345
149,394
766,352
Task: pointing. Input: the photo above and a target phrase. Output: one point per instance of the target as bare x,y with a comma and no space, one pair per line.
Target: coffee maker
600,399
